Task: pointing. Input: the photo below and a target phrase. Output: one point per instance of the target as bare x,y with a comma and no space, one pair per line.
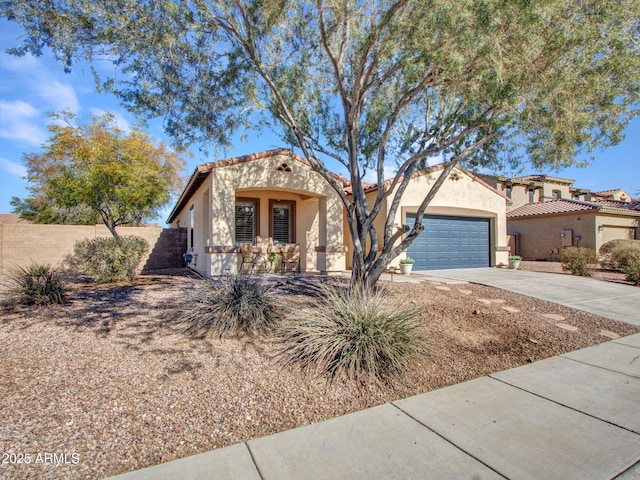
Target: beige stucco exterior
541,237
317,212
461,195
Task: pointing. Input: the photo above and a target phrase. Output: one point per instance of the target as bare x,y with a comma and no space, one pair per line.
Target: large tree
97,171
365,83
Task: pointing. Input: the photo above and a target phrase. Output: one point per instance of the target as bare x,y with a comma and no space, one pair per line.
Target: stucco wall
541,236
260,179
21,243
463,197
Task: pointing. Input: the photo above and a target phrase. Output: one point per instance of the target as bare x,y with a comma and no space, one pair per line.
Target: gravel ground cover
556,267
108,383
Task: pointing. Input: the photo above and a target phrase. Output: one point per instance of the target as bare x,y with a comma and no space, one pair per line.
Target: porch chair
291,258
246,250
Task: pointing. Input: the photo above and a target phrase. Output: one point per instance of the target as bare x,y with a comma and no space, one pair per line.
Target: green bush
613,254
36,284
237,306
107,259
631,267
578,260
354,333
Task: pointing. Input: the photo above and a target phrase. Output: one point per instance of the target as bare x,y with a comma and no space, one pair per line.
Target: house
275,194
541,230
464,224
617,194
542,188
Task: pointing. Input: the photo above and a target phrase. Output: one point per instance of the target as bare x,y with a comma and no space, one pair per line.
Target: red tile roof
555,207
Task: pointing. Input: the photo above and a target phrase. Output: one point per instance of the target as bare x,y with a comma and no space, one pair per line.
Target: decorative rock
510,309
484,300
569,328
498,300
608,334
553,316
465,292
442,288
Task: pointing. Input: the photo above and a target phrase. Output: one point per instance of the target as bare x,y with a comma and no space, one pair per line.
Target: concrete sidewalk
575,416
610,300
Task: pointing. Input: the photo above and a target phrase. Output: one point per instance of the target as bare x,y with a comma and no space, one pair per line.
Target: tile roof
554,207
608,192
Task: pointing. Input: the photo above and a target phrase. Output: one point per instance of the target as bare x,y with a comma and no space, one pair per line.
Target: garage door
611,232
450,242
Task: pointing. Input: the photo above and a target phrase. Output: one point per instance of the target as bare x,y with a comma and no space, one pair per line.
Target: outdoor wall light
601,228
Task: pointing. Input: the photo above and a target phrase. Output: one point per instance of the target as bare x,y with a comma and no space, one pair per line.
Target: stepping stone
510,309
569,328
484,300
608,334
465,292
442,288
553,316
498,300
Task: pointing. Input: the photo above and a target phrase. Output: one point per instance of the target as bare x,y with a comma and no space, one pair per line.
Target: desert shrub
613,254
36,284
632,268
355,333
624,255
107,259
235,306
578,260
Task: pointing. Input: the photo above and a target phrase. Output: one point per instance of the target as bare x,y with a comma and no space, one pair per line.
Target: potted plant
274,261
514,262
406,264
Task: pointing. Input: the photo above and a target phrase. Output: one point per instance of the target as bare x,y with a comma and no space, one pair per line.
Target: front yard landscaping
112,378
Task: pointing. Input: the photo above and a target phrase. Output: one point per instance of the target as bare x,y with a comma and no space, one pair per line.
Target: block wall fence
23,243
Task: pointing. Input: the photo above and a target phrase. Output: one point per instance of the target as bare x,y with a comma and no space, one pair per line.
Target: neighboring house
543,188
542,230
533,189
276,194
617,194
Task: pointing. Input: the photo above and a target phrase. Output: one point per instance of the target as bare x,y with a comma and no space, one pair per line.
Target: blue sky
30,87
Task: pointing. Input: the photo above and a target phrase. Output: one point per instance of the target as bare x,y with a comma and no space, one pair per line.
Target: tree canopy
96,171
368,84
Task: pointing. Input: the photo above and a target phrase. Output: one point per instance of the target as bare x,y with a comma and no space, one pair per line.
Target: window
556,194
246,221
532,194
508,190
282,222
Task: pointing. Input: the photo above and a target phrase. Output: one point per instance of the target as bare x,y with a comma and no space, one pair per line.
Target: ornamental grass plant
354,333
36,284
234,306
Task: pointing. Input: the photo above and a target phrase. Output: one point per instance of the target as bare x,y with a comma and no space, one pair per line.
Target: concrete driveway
610,300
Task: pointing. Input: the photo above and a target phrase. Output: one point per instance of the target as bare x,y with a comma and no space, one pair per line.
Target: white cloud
20,123
14,168
60,96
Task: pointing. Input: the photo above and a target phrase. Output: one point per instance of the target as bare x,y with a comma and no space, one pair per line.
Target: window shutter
281,223
245,222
